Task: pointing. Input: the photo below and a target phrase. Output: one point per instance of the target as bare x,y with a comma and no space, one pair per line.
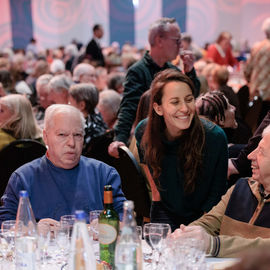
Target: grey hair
160,27
266,131
111,100
266,27
82,69
71,49
60,82
54,109
86,92
44,79
57,65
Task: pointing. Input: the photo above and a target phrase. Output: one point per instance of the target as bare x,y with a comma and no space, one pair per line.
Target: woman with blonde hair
17,120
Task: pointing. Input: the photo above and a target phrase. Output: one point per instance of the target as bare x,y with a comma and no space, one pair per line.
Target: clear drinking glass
62,239
44,234
158,232
148,251
139,232
93,219
68,220
8,232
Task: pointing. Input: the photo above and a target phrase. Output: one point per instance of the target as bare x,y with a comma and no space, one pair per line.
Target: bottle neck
108,199
128,218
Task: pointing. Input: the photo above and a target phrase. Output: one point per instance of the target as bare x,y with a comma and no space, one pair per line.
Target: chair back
133,182
14,155
98,147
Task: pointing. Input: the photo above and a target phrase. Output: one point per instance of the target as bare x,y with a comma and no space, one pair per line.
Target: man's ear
81,105
158,41
44,136
158,109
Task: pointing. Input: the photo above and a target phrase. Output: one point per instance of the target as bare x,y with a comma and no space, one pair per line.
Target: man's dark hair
96,27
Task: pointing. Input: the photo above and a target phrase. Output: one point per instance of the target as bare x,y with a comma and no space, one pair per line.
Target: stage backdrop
57,22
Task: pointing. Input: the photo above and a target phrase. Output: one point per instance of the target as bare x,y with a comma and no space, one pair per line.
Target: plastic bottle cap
80,214
23,193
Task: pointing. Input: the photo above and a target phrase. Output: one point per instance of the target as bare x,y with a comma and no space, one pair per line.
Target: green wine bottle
108,228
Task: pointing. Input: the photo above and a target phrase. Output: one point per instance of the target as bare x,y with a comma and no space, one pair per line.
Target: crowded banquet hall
134,134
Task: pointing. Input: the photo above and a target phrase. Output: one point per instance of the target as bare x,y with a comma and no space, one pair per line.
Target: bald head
63,109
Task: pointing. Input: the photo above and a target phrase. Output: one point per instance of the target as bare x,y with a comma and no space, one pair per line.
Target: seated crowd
182,120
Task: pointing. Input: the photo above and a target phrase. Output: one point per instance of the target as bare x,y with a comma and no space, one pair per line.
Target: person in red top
221,51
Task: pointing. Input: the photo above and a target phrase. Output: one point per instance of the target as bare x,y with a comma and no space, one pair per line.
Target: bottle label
107,234
25,252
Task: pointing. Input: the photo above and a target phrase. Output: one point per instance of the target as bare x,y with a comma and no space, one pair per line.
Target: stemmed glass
44,233
7,235
146,231
158,232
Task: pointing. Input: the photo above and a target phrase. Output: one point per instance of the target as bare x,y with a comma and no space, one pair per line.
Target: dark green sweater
211,182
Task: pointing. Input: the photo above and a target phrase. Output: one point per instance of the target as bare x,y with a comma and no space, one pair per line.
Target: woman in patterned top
84,96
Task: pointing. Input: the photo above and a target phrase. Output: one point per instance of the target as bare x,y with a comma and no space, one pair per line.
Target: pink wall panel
5,24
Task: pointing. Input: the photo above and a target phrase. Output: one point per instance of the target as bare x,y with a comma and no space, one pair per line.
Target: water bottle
81,252
25,235
128,252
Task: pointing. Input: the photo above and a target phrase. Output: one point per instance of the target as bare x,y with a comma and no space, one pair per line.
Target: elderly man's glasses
176,39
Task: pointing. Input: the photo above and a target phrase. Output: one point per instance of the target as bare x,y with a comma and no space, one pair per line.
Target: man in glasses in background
165,42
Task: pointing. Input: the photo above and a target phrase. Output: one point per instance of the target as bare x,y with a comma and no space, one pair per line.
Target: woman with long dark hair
185,157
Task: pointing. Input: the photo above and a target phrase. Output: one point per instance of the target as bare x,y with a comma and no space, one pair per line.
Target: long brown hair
192,139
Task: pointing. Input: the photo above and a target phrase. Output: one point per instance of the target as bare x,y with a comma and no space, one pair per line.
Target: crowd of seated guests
65,76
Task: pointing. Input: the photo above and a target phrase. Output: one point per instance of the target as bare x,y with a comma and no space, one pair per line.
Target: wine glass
149,252
8,232
158,232
44,233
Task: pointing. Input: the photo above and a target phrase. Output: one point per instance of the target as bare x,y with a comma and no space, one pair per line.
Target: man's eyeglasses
177,40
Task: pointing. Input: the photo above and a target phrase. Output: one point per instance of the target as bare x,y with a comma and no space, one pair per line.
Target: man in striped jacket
240,221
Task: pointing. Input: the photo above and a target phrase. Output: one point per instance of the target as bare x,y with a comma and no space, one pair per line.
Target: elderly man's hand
51,222
113,148
188,60
195,232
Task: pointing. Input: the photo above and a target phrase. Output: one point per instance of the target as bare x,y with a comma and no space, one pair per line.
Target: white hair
71,49
111,100
266,27
57,66
44,79
60,83
82,69
54,109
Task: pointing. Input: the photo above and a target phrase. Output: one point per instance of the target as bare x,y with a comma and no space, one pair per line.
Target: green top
6,139
211,182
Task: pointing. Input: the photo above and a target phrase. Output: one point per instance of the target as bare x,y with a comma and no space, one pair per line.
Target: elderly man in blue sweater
62,181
